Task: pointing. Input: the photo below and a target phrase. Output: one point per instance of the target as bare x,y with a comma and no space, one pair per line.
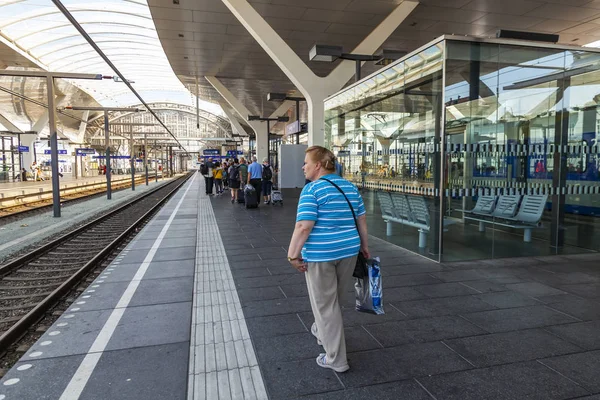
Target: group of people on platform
234,174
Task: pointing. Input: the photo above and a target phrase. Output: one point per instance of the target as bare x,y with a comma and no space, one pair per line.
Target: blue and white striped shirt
334,235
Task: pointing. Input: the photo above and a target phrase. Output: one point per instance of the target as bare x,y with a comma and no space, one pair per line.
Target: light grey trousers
327,285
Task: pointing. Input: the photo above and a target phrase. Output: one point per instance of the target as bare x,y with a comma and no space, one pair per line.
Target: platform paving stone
518,318
405,390
395,333
445,290
507,299
584,334
581,367
156,372
507,347
491,329
530,380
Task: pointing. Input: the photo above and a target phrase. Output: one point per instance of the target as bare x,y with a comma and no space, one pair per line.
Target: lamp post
284,97
106,141
328,53
259,118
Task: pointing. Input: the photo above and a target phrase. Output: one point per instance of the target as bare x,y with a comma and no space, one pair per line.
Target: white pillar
235,124
8,125
314,88
259,127
41,123
29,141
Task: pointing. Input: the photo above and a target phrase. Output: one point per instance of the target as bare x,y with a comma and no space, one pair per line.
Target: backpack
267,174
204,169
235,174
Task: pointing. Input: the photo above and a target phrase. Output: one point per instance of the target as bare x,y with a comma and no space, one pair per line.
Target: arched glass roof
123,29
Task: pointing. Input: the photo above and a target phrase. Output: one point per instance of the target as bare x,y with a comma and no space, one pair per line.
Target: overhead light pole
106,141
50,76
284,97
328,53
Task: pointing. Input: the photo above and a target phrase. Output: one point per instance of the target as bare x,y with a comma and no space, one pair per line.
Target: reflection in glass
476,149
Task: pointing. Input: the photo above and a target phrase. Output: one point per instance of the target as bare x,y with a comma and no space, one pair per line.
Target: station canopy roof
123,29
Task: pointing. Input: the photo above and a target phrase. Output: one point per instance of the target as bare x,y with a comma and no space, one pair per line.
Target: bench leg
388,230
481,226
422,238
527,235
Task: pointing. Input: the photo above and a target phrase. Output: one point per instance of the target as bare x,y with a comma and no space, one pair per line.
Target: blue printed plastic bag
369,291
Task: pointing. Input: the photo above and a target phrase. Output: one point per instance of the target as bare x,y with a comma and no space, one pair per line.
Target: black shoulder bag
360,269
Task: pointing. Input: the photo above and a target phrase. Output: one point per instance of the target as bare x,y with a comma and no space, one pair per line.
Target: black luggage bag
240,197
250,197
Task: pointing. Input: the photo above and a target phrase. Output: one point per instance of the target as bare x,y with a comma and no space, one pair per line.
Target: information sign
48,151
84,152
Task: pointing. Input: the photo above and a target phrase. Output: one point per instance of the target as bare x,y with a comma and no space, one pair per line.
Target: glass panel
518,173
513,185
116,26
383,131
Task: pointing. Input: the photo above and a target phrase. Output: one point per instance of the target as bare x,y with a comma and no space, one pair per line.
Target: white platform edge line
88,364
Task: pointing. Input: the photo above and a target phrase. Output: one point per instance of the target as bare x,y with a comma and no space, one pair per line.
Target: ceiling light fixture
328,53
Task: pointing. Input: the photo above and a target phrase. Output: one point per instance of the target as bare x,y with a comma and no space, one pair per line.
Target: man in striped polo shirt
325,244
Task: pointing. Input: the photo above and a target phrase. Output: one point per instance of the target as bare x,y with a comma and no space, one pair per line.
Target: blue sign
48,151
24,149
112,157
233,153
211,152
84,152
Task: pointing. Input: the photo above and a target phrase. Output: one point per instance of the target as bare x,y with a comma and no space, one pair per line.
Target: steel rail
20,328
87,37
121,184
12,265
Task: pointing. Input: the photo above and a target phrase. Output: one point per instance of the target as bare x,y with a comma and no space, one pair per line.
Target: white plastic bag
369,290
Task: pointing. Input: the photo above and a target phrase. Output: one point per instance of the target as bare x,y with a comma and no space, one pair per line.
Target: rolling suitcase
276,197
250,197
240,197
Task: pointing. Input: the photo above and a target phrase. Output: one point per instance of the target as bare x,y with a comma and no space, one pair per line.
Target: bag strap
349,204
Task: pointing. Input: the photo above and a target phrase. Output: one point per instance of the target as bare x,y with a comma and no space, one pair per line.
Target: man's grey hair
254,158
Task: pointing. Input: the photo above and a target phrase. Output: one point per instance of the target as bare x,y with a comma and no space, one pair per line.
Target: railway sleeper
24,296
49,285
25,279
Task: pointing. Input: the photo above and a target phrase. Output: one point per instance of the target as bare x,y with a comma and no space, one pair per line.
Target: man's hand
365,252
299,264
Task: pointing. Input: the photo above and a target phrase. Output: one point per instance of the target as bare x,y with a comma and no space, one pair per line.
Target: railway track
33,284
16,212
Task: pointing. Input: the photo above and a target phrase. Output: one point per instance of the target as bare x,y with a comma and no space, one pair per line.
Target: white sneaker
322,362
313,330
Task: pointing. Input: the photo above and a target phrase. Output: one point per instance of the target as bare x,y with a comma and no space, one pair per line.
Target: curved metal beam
86,45
226,131
96,33
83,23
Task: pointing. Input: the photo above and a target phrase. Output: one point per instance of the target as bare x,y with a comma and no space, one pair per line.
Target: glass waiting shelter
476,148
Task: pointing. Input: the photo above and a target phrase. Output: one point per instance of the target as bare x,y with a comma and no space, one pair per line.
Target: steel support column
53,148
107,154
132,162
146,157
